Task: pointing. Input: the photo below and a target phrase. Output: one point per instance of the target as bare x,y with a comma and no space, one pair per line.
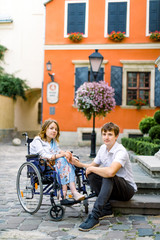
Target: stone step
151,164
145,182
147,204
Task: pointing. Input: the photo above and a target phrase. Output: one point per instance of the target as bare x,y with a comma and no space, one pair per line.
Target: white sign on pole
52,92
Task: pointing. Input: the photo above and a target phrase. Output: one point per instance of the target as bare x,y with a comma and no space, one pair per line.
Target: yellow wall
26,112
6,112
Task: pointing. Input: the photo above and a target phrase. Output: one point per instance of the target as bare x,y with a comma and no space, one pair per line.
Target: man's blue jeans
115,188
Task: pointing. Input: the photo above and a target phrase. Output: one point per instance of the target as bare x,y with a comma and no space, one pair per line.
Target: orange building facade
128,65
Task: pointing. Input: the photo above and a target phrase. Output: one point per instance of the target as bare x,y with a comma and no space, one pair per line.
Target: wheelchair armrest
32,156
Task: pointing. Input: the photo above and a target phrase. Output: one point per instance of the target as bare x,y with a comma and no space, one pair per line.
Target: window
136,79
117,16
138,86
76,17
153,16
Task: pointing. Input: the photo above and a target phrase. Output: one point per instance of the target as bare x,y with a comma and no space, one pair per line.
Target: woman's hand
68,156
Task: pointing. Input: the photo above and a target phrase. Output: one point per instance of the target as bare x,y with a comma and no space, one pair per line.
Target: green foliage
2,51
157,116
146,123
140,147
154,132
10,85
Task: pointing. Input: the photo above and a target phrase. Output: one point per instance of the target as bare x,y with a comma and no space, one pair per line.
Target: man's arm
106,172
76,163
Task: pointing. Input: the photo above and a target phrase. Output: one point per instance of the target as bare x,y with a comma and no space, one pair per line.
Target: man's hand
74,161
88,171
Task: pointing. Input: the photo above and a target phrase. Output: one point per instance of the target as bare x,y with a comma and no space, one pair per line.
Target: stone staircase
146,170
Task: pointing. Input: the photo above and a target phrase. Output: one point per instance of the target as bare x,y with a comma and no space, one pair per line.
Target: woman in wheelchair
46,145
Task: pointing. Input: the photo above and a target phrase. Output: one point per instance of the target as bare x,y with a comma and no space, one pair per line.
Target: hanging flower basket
75,37
117,36
155,36
95,98
138,103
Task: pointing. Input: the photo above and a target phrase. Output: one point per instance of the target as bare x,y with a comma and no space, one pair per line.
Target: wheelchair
35,180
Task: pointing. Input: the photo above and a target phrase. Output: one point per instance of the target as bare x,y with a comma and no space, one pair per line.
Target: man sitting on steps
110,176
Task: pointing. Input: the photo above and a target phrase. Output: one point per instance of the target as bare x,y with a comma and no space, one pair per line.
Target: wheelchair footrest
67,202
91,195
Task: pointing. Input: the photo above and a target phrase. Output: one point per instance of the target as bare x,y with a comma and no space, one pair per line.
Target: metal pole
93,139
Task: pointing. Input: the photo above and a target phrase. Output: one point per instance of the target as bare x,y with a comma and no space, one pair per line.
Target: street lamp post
95,60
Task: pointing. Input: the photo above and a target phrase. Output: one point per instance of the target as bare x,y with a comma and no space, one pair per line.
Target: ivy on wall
10,85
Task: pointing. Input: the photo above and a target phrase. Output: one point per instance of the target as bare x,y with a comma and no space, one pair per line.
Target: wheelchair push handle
26,135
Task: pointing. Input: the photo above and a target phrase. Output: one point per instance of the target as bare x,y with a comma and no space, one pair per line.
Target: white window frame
106,16
147,19
66,16
138,66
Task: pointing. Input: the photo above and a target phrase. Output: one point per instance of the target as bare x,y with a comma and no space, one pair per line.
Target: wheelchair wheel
29,187
85,204
57,212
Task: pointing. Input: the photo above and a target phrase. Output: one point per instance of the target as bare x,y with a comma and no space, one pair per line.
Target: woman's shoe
78,196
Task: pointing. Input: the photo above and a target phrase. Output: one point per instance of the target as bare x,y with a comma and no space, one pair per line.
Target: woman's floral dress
65,170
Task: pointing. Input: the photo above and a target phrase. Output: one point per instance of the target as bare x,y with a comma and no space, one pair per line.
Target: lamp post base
93,144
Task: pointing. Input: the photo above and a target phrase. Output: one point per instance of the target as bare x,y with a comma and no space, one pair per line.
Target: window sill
134,107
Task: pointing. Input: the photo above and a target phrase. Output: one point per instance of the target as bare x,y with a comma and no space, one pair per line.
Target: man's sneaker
84,223
108,214
89,224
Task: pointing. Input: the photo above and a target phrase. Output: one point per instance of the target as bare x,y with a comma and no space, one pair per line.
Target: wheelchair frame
35,179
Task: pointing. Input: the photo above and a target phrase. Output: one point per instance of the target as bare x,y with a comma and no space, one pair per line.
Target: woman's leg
77,196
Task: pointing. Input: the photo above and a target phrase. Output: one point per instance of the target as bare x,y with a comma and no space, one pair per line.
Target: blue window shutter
157,88
154,15
116,83
99,77
81,76
117,17
76,17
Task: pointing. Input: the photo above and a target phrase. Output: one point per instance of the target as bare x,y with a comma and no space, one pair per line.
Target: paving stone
142,232
157,236
115,235
144,238
28,227
121,227
137,218
2,221
144,226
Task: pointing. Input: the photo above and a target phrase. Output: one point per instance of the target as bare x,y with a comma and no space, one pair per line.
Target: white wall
24,39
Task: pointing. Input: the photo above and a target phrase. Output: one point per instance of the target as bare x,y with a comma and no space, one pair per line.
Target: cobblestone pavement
15,223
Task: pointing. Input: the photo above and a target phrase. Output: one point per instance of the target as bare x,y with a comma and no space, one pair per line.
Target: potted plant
75,36
95,98
155,36
117,36
139,102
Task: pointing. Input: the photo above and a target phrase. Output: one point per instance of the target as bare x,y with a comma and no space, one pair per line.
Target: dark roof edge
46,2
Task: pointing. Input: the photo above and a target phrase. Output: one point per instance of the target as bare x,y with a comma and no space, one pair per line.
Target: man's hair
45,125
110,127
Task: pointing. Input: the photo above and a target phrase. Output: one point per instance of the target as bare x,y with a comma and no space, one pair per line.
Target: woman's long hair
45,125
